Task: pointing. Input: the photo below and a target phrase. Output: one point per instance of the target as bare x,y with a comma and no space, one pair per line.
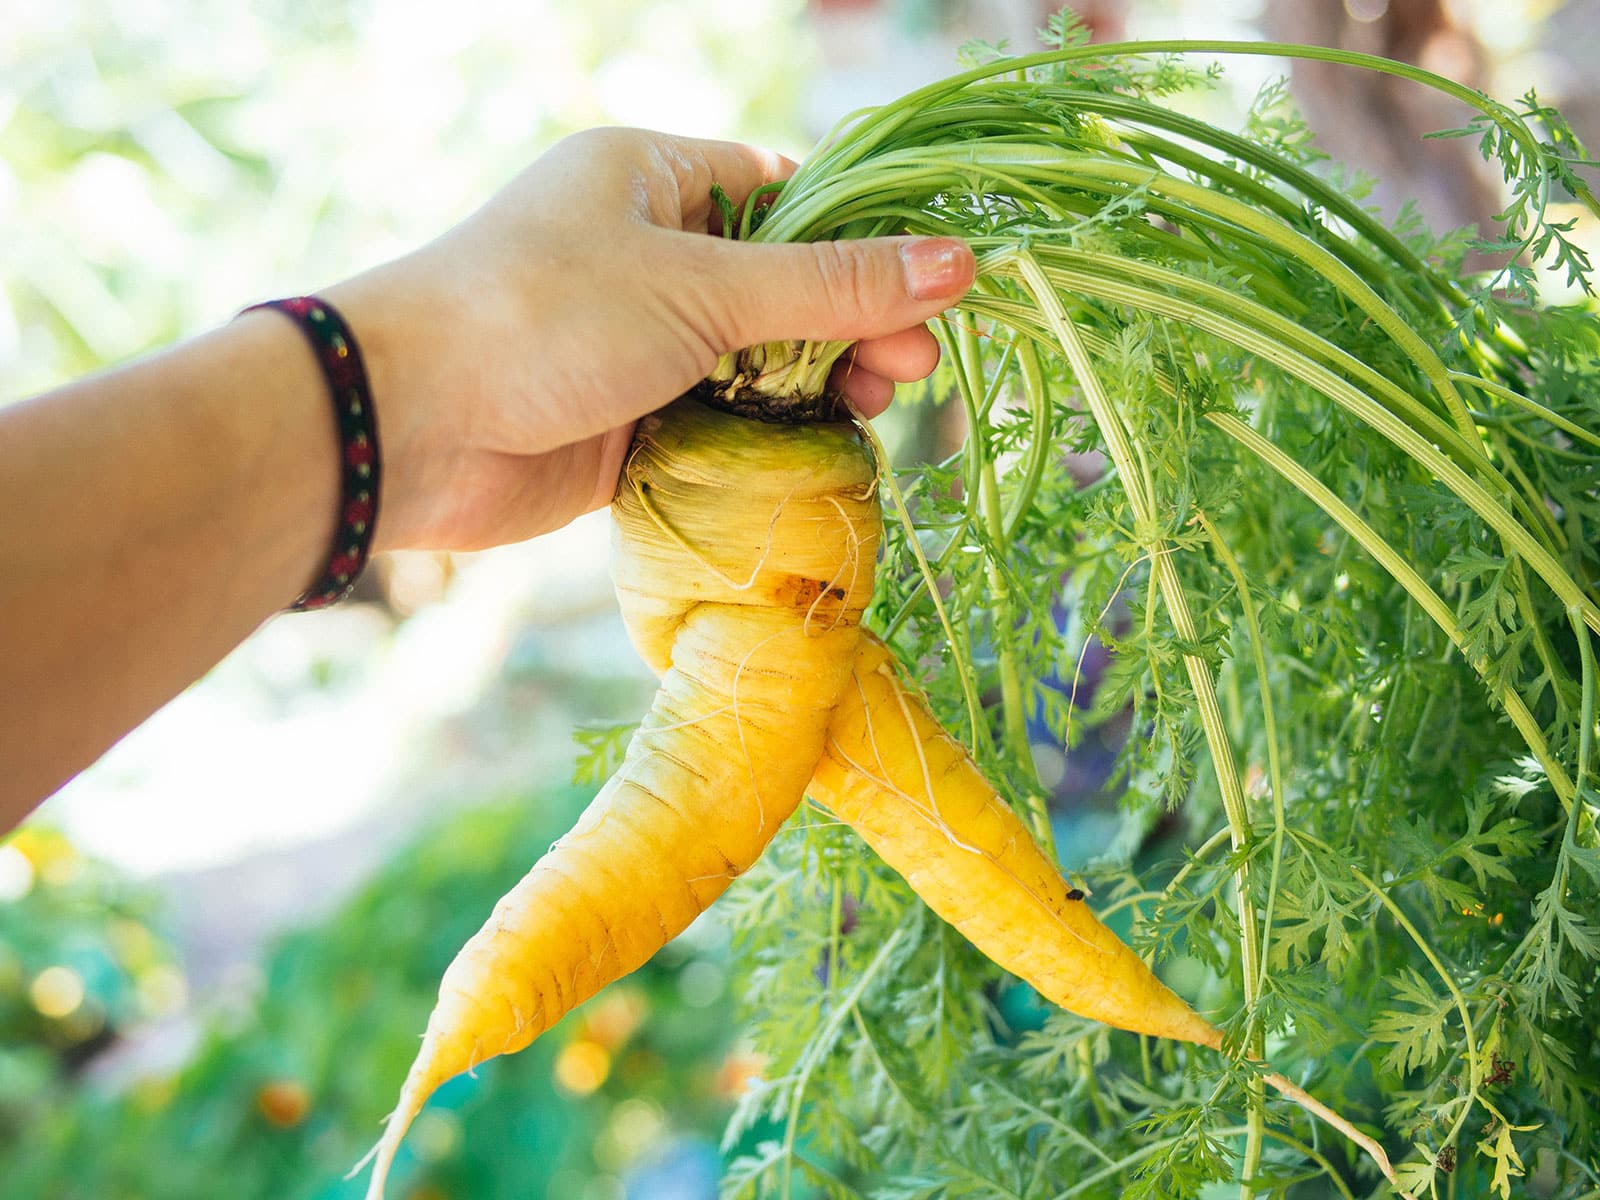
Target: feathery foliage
1343,552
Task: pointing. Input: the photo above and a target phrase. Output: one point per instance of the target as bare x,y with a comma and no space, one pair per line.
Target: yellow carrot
744,559
745,556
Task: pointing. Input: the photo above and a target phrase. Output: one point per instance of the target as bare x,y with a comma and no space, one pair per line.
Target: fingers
740,169
736,168
902,356
867,374
613,172
613,449
823,291
868,393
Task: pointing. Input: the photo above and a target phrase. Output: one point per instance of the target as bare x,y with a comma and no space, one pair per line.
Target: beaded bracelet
340,360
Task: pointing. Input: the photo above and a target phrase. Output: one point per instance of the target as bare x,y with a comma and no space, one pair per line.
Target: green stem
1070,1132
1040,445
1511,396
1586,715
1269,724
1517,538
968,356
1195,859
874,127
1404,574
823,1042
1257,1042
1236,311
1361,220
1140,493
871,1044
1122,1164
969,687
1064,167
1475,1073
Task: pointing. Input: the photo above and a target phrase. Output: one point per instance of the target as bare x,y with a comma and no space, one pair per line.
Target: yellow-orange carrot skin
752,674
915,796
715,508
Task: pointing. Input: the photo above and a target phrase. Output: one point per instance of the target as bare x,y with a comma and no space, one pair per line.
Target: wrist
360,452
284,447
398,330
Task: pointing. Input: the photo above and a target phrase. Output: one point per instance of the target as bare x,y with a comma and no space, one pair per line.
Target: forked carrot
744,585
744,559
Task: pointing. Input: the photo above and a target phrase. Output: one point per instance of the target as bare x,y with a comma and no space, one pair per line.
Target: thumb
835,291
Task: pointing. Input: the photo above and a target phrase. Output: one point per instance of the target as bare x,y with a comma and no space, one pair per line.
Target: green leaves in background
287,1087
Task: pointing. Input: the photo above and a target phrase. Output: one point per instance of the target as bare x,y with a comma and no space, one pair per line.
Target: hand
510,358
156,513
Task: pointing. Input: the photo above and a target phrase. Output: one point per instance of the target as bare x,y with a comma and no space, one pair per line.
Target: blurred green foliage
81,959
162,165
287,1090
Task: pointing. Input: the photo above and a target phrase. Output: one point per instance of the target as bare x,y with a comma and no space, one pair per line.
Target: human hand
510,358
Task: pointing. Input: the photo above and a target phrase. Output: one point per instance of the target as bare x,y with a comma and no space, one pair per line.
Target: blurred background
217,945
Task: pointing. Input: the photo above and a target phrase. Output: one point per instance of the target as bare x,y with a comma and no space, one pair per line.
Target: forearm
150,518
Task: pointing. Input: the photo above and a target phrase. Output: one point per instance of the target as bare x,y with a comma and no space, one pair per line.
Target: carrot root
745,560
1318,1109
915,796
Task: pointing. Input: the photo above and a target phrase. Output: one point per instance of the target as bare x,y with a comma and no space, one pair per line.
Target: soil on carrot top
734,397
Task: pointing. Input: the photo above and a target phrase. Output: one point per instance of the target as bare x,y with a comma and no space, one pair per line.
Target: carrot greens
1302,519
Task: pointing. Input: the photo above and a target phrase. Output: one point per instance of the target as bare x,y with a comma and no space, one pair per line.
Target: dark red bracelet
340,359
